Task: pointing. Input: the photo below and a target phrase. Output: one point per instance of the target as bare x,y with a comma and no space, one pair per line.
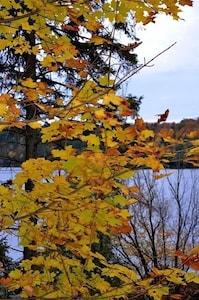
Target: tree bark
31,135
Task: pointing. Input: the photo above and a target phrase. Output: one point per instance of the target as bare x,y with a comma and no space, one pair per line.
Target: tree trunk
31,135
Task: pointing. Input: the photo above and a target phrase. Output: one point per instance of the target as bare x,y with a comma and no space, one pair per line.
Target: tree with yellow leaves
65,57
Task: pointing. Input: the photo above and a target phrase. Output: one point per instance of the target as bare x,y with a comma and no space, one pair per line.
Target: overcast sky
173,80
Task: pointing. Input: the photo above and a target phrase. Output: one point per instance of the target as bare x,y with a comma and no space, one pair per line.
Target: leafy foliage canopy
60,73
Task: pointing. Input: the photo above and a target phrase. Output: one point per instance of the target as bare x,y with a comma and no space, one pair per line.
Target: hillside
12,142
181,129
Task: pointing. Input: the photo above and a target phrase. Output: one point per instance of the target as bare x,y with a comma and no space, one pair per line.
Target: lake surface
10,172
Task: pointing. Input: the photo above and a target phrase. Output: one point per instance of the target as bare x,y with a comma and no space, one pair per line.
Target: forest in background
13,146
181,129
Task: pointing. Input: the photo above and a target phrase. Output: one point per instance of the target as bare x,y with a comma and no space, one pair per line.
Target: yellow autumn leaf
109,140
15,274
155,272
86,216
3,109
193,151
29,83
119,199
194,250
146,282
126,174
68,152
42,106
111,97
158,291
50,62
102,285
35,125
106,81
91,139
124,272
100,113
86,93
4,43
162,175
97,40
32,95
192,277
2,127
131,201
145,134
151,162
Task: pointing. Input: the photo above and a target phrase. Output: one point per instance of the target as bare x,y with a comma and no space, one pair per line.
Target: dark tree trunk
31,135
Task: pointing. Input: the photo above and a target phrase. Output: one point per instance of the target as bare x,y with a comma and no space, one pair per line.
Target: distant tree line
13,141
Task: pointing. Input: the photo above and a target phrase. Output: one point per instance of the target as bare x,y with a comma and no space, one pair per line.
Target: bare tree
164,219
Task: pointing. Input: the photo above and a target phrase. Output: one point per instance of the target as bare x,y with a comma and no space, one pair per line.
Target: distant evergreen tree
7,264
135,102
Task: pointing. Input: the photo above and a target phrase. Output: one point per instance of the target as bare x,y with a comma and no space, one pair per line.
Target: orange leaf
28,290
112,152
6,281
76,63
163,117
189,260
186,2
124,228
17,124
130,46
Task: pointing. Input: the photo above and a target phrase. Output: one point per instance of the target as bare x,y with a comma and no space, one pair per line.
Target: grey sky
173,79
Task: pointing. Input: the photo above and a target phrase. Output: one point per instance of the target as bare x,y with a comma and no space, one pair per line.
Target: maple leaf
158,292
91,139
163,117
35,125
28,290
186,2
29,83
6,281
191,260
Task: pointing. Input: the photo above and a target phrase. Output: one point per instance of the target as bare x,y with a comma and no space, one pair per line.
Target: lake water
7,174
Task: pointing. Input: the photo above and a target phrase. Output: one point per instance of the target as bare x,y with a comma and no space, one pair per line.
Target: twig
142,66
33,12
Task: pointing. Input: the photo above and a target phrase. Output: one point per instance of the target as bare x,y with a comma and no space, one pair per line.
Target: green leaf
70,164
126,175
119,199
106,81
86,216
